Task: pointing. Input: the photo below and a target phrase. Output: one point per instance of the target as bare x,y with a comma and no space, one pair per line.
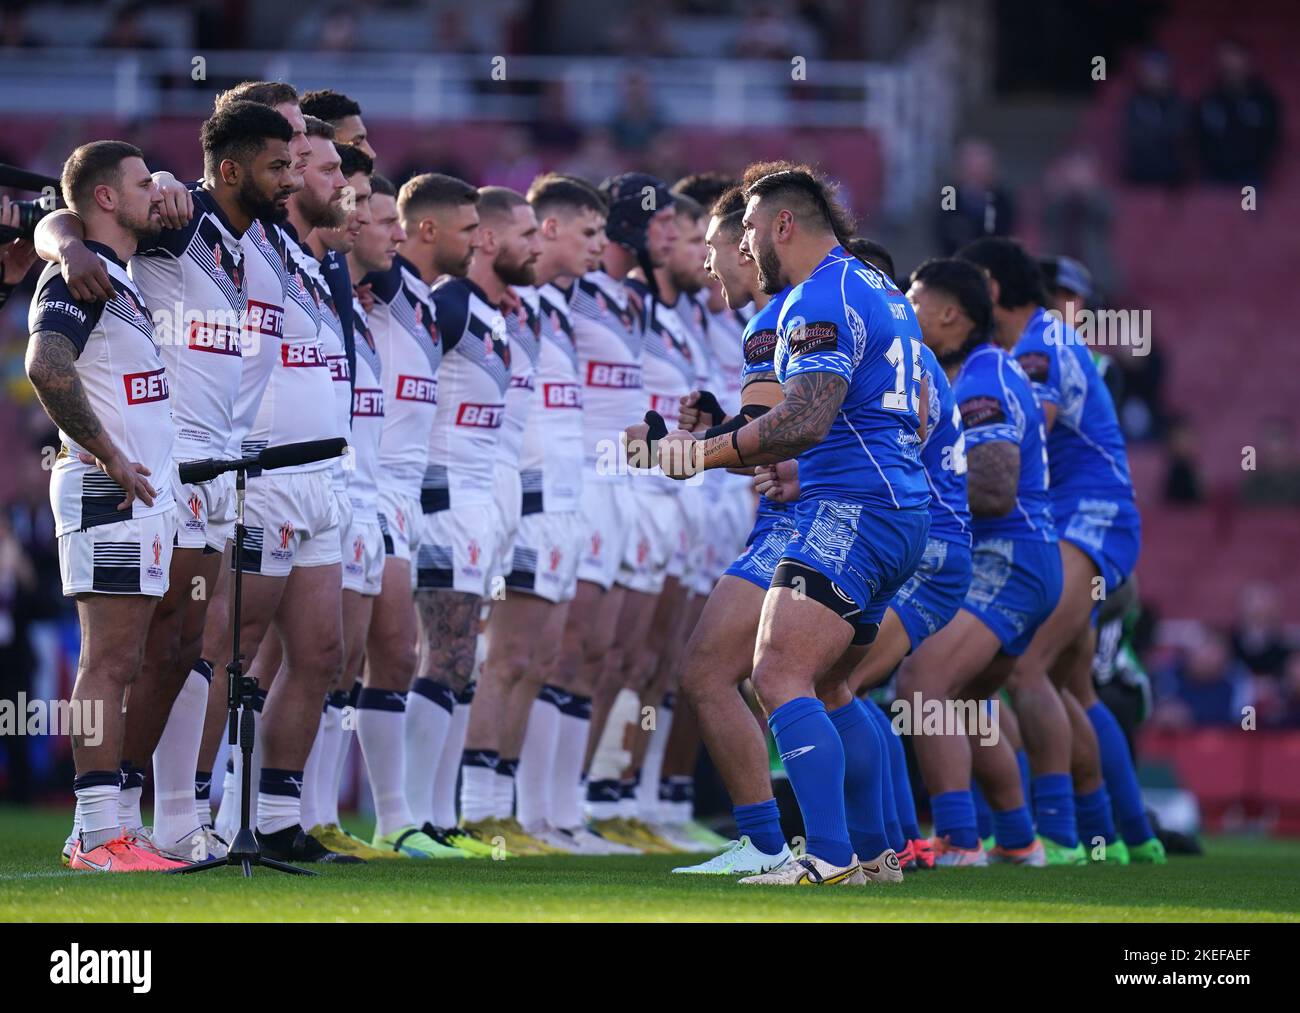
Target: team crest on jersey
283,550
194,522
601,304
556,556
225,262
155,571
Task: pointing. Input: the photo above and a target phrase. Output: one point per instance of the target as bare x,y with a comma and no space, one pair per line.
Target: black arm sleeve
742,418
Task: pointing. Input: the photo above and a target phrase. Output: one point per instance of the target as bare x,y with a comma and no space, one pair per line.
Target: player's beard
686,281
143,229
770,279
457,269
259,205
518,273
327,214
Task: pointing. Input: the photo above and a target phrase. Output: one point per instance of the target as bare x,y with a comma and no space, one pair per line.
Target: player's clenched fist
778,482
680,454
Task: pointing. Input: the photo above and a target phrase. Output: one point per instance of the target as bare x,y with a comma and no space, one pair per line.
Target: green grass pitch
1237,880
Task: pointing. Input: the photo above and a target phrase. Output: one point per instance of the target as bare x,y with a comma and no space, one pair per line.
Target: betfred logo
367,402
417,388
613,374
480,416
338,365
562,395
521,382
206,337
302,355
142,388
666,405
263,318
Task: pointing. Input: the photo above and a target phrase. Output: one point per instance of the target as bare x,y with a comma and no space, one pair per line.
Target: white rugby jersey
669,369
298,403
522,334
127,386
550,462
725,341
263,330
336,360
192,280
367,416
607,334
402,323
472,383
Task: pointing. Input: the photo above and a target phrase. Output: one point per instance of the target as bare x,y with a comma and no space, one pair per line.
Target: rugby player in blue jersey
1016,574
847,356
1097,518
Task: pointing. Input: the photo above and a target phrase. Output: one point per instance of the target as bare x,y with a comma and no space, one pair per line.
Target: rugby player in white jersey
359,402
99,377
508,249
607,334
291,559
571,222
672,514
435,222
193,278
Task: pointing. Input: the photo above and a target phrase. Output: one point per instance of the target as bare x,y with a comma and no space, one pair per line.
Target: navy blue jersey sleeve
982,402
54,309
451,306
384,284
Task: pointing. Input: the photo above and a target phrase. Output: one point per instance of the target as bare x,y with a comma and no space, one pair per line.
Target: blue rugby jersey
997,402
757,343
944,457
1085,445
848,319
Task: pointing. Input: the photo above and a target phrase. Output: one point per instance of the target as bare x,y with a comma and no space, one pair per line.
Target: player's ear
995,290
229,170
105,197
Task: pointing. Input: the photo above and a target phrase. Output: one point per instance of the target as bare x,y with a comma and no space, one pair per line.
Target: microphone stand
244,850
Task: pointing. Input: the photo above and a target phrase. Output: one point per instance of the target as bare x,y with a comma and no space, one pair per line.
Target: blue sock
1121,778
954,818
1013,828
893,825
983,811
904,803
864,779
761,821
1092,812
1053,796
813,756
1026,779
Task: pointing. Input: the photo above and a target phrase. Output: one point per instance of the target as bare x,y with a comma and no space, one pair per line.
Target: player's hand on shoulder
132,476
679,454
85,273
177,203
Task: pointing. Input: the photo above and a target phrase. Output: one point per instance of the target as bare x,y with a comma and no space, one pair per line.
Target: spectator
339,31
596,159
124,31
1077,218
1157,123
433,152
982,206
1238,121
1276,478
642,32
1205,685
514,165
1258,638
553,129
637,121
1284,707
765,34
1183,478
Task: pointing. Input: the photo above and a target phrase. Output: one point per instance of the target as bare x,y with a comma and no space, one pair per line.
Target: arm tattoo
992,475
800,421
51,367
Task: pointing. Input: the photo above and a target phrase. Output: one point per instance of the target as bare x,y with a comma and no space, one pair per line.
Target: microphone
284,456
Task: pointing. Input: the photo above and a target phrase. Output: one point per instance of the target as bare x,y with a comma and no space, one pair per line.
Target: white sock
76,825
428,717
310,774
279,810
97,814
503,792
128,802
647,791
330,772
444,782
380,724
174,761
478,782
203,803
567,789
536,758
